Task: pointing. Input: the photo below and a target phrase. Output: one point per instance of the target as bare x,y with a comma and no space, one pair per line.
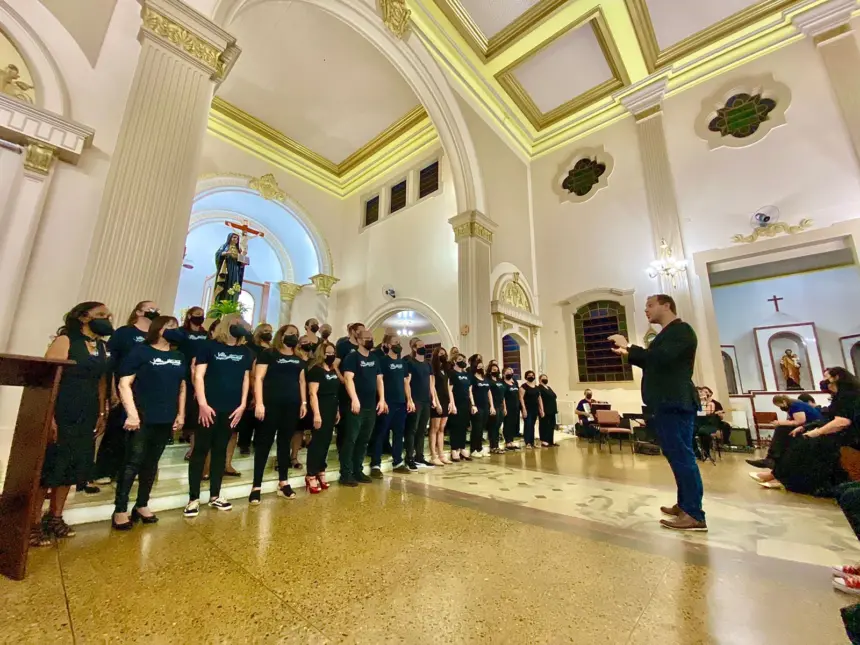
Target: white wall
829,298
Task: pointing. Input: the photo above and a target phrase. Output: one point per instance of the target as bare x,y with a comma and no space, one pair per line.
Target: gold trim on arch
489,48
524,102
338,170
655,58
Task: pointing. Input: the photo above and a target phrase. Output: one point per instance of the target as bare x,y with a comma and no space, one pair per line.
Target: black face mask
196,320
329,360
442,358
397,349
461,364
315,328
543,381
174,336
326,334
238,331
530,378
291,340
494,374
479,371
266,337
368,344
824,385
152,314
421,351
305,347
508,377
101,326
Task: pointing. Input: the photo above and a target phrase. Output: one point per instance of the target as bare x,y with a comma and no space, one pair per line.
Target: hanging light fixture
667,266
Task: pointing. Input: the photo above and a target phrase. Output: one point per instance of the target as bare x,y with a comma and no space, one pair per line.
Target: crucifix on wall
775,302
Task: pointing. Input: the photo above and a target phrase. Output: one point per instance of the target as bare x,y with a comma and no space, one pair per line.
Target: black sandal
146,519
58,528
232,473
38,537
297,465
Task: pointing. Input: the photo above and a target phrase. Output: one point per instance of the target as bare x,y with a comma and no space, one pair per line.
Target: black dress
69,461
441,380
550,409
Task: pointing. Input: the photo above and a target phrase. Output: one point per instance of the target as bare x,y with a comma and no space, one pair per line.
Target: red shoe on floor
847,570
323,483
312,485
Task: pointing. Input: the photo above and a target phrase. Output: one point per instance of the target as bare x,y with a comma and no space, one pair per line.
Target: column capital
647,100
827,21
323,283
190,35
289,291
38,158
473,224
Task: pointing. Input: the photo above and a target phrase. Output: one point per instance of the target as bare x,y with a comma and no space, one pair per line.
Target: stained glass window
583,177
742,115
593,324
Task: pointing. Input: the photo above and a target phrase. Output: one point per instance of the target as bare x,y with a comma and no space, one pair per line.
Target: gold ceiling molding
772,230
181,38
338,170
268,188
395,16
489,48
655,58
540,120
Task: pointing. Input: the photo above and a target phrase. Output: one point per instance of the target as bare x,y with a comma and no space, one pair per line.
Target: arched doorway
511,356
376,321
729,368
408,324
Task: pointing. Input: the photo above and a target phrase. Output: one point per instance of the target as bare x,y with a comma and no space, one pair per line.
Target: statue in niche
12,85
790,366
230,261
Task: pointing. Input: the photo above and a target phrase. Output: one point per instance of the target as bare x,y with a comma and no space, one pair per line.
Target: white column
473,233
139,240
23,211
323,285
829,27
289,291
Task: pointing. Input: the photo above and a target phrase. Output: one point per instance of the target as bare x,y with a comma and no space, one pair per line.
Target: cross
245,228
775,302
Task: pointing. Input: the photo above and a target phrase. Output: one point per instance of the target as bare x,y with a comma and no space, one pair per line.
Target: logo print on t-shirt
139,339
222,356
367,363
288,361
159,362
197,337
330,377
396,366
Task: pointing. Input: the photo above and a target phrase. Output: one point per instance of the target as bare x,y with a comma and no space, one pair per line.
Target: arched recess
777,344
420,70
378,315
513,309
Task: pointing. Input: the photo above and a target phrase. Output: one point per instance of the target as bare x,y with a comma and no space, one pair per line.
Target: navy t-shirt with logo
344,348
364,370
512,396
158,377
461,382
394,373
225,371
281,383
190,346
481,392
420,383
122,341
329,384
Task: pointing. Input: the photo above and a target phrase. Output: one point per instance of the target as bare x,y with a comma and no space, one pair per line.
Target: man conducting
668,391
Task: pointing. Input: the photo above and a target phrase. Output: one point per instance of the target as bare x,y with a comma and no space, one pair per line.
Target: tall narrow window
428,180
371,210
593,324
398,197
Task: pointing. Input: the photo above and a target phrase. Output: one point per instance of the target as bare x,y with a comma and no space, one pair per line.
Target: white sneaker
221,504
479,454
104,481
192,509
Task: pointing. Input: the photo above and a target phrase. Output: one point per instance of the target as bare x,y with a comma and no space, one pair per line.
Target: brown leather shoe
674,511
684,523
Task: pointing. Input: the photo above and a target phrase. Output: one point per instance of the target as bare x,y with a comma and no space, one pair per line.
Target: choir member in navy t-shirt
364,387
195,336
152,386
423,398
398,402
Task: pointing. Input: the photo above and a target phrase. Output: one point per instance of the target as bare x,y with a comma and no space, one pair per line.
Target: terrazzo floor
552,546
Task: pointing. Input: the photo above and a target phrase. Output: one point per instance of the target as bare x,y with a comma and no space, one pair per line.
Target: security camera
390,293
762,218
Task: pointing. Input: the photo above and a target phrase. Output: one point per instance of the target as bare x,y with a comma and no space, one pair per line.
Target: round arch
378,315
420,70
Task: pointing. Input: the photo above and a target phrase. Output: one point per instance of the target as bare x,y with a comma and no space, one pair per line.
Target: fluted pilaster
138,244
289,291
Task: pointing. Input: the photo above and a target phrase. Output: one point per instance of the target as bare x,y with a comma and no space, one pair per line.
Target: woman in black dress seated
811,466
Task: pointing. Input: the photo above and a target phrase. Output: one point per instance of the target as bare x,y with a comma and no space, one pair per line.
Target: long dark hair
186,324
436,363
473,363
72,325
318,357
155,328
845,380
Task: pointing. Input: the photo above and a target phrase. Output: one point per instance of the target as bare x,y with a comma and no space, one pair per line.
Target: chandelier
666,266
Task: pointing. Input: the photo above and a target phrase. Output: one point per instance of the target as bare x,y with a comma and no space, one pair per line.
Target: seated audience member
708,423
587,426
807,398
811,465
799,414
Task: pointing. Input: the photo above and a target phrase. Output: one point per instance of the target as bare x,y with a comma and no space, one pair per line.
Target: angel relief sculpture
12,85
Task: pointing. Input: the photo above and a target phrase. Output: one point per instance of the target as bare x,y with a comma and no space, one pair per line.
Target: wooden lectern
40,378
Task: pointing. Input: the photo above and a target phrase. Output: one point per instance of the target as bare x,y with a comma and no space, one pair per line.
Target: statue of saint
11,84
790,366
230,261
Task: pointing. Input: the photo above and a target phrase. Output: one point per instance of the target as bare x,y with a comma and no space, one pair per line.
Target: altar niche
789,357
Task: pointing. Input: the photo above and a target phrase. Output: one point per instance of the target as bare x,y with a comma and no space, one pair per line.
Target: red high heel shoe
312,485
323,483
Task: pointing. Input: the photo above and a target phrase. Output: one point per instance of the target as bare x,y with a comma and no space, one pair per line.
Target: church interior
499,180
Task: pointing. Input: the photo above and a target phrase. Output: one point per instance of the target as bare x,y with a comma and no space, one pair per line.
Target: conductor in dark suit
668,391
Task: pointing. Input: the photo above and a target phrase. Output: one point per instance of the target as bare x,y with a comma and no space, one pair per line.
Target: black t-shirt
122,341
531,396
256,349
158,376
281,383
226,369
394,372
460,384
364,370
498,390
481,392
344,348
512,396
329,384
420,383
550,406
190,347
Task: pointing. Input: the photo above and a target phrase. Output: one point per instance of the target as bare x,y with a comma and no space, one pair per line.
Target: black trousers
458,425
479,424
353,448
547,428
248,427
111,457
215,439
143,449
321,438
281,421
416,430
511,425
494,424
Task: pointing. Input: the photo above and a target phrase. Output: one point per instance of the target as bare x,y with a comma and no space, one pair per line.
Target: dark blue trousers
393,422
675,432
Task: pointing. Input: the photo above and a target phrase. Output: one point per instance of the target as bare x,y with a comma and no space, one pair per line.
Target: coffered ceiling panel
565,69
674,21
491,16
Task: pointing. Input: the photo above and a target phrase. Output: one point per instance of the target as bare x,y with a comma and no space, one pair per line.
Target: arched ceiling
313,78
87,25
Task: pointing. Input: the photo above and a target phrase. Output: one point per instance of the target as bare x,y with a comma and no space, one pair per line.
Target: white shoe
478,454
192,509
104,481
221,504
